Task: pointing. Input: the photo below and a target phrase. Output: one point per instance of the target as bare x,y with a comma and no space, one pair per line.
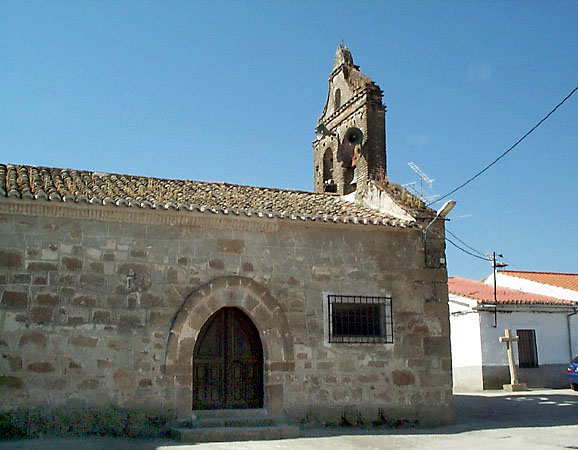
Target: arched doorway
228,363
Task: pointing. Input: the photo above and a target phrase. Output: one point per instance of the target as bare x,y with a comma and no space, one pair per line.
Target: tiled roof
68,185
484,294
563,280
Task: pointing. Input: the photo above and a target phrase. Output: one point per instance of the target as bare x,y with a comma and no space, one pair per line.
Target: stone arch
255,301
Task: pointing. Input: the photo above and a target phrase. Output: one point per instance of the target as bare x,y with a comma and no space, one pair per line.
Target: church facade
179,295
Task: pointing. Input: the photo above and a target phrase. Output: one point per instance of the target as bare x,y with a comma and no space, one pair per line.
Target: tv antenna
423,179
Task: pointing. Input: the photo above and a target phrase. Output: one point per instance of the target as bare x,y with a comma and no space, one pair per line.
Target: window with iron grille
360,318
527,351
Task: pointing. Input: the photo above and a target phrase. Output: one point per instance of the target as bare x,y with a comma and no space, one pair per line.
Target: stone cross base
515,387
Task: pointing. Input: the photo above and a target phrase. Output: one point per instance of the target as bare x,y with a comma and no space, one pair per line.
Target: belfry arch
254,300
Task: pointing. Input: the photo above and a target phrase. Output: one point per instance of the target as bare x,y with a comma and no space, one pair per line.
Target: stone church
184,295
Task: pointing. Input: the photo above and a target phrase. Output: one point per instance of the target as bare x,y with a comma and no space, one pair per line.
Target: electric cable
507,151
464,250
462,242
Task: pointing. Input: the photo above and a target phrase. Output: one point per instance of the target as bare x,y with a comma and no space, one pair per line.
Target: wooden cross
508,339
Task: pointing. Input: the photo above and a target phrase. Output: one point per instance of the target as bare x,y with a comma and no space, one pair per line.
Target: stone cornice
113,214
236,220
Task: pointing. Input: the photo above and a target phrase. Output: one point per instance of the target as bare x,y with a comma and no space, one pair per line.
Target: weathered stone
159,319
15,362
118,345
14,300
436,346
10,259
41,314
123,379
150,300
33,337
101,316
403,377
40,280
72,263
103,364
74,365
231,246
138,253
97,267
40,266
84,300
93,279
145,383
75,320
83,341
21,278
247,267
130,320
376,363
90,384
40,367
11,382
47,299
108,257
67,280
137,269
216,264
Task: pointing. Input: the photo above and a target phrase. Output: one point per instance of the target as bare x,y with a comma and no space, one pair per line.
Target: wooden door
228,363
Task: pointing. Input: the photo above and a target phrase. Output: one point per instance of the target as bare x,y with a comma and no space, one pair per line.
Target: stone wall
102,305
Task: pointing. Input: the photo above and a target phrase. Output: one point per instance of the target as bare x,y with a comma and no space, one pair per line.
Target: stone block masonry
106,311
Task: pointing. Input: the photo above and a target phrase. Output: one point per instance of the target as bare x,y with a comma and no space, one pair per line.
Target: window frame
385,303
527,348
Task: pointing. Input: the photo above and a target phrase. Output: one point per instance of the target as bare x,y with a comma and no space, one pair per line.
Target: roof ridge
100,173
537,271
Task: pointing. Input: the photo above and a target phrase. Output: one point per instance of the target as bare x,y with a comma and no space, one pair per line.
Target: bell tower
349,148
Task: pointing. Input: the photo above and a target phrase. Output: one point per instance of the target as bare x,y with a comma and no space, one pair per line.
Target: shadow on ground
474,412
488,410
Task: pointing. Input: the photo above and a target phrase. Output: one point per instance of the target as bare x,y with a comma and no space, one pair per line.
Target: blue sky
231,91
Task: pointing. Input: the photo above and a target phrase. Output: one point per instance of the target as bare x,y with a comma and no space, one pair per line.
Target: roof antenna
422,178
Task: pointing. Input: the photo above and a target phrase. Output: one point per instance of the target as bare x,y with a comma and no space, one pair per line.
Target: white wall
465,332
551,336
466,344
521,284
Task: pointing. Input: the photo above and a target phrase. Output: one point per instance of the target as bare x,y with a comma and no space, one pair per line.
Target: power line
464,250
507,151
462,242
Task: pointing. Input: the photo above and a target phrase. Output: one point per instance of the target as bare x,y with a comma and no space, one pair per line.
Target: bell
354,136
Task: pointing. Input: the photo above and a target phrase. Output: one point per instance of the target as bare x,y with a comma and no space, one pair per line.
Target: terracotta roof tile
563,280
484,294
68,185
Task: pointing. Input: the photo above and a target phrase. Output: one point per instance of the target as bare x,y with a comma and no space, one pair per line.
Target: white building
546,325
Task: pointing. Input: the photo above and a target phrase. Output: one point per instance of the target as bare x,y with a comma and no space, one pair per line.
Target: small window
527,351
360,318
337,100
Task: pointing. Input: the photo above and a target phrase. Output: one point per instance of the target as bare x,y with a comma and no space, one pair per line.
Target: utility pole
494,265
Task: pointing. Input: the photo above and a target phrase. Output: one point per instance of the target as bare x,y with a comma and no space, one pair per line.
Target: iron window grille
360,319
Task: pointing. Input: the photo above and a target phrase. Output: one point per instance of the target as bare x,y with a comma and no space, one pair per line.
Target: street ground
537,419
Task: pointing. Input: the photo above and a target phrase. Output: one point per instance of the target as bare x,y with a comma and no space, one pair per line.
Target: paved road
544,419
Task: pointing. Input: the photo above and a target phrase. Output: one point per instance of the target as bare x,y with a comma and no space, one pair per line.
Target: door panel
228,363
